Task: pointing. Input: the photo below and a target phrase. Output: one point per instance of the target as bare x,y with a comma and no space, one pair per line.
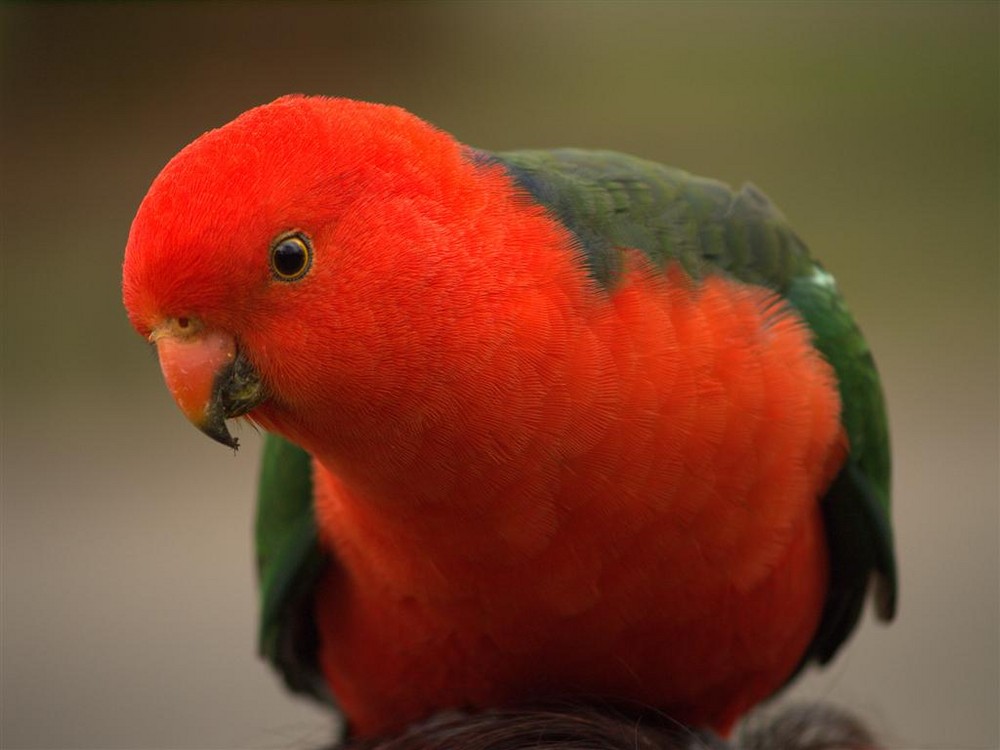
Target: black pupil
289,257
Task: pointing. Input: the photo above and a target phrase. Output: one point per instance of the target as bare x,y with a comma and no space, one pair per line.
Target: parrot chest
635,609
637,518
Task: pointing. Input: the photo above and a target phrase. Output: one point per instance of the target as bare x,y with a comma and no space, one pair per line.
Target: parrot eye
291,256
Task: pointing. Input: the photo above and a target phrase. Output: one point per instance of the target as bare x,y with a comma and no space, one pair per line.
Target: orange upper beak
208,378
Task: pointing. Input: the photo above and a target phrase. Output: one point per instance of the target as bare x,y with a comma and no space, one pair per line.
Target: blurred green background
128,594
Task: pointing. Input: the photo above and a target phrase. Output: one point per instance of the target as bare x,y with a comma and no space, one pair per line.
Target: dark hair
576,726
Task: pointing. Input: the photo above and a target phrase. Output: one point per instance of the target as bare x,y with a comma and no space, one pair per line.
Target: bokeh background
128,609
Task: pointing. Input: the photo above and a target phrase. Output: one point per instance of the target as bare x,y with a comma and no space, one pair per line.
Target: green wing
289,562
612,201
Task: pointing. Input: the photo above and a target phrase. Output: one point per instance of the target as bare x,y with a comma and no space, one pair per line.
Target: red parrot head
280,256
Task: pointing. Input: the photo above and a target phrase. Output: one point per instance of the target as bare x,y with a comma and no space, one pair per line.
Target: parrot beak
207,376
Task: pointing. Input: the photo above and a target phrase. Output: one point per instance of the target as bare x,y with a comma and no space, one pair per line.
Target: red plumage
533,485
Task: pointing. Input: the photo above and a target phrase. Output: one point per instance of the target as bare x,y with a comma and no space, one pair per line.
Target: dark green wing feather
611,201
289,562
856,507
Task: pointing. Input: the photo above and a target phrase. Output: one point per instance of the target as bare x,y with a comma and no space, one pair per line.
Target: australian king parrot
539,423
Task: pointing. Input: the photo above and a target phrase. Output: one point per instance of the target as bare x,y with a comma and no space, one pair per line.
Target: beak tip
216,429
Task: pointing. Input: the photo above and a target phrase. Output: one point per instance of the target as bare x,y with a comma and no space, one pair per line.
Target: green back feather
612,201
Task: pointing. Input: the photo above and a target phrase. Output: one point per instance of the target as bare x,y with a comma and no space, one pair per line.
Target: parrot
537,423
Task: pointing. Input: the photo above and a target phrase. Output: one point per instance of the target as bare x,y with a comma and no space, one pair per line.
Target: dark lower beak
210,380
236,391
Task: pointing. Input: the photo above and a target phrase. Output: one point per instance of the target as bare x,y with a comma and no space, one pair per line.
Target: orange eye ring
291,256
